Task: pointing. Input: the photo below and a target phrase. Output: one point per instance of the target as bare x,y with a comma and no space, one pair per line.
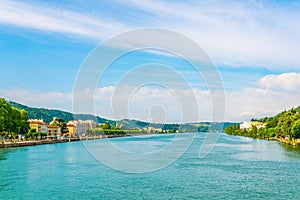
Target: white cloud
256,102
285,81
273,94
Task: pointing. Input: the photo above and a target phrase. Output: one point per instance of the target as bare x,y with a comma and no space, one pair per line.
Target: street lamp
19,137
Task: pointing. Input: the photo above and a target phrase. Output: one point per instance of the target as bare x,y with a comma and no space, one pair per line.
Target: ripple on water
237,168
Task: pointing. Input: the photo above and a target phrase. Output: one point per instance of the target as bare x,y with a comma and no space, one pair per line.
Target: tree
296,129
32,130
262,133
61,123
12,120
286,123
254,132
24,126
270,132
106,125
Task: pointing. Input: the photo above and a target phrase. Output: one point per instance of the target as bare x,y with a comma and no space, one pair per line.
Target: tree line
13,121
284,124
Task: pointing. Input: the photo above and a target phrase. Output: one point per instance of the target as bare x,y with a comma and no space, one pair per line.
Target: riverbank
293,142
48,141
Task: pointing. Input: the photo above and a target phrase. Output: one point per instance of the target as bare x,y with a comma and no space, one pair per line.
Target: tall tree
61,123
12,120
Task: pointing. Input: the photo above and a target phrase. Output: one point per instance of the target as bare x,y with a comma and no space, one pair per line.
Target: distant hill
48,114
132,123
187,127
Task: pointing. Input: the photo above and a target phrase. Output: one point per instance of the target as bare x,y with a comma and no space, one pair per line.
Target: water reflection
291,151
3,153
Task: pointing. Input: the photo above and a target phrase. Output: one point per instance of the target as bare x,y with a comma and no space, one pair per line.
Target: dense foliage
32,134
106,129
284,124
61,123
13,121
42,113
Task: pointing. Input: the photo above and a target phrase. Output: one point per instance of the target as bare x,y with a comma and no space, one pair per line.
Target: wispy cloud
55,19
247,33
260,34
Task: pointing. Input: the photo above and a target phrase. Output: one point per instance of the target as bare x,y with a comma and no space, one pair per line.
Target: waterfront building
81,127
245,125
71,129
249,125
54,132
39,125
151,129
90,124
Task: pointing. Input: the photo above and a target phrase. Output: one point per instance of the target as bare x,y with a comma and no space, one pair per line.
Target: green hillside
284,124
48,114
43,113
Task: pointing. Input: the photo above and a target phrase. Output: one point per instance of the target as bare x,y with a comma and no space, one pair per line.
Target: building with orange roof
71,129
54,132
39,125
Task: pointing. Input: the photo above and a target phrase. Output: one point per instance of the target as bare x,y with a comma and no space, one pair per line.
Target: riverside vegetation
284,126
13,121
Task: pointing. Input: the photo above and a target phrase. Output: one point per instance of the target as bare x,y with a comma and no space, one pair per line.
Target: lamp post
19,136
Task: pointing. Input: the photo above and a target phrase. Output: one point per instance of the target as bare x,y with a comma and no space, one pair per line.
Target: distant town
21,125
58,129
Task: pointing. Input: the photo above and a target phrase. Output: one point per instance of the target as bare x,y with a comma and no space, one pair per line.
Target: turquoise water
237,168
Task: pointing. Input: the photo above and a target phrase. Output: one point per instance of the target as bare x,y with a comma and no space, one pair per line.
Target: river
236,168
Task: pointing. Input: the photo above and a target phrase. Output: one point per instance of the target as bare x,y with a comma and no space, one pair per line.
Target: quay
55,141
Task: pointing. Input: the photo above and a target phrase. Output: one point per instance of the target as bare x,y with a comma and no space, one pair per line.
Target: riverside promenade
48,141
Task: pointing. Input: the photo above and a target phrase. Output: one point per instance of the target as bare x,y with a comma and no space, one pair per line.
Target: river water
236,168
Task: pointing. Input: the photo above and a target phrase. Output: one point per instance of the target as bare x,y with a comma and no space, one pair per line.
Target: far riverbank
293,142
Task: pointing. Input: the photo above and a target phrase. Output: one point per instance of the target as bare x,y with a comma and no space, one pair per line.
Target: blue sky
254,44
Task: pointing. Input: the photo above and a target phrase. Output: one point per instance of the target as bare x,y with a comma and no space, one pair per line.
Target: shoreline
294,143
287,141
48,141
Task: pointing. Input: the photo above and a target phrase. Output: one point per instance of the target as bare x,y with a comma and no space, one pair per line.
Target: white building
245,125
83,126
151,129
249,125
90,124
